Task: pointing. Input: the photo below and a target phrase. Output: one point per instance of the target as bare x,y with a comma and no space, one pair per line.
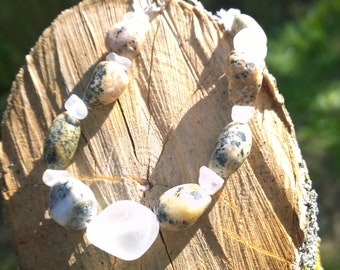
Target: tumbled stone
244,79
72,203
181,206
61,141
108,82
232,148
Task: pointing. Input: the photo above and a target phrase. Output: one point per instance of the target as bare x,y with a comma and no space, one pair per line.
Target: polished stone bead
181,206
232,148
61,141
126,37
108,82
244,79
72,203
125,229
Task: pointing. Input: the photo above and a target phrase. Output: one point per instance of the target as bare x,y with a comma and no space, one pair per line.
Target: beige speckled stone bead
244,79
108,82
232,148
180,207
124,41
126,37
62,141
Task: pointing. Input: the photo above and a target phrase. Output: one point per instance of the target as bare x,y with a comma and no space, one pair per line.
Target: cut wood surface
159,132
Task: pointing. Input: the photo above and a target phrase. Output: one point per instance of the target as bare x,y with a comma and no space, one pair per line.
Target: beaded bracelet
117,229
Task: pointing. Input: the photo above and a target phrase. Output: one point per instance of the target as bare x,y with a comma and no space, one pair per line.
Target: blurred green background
303,55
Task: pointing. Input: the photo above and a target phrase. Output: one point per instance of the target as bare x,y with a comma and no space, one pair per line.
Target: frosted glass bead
51,177
76,107
242,21
72,203
123,62
209,180
180,207
232,148
242,114
125,229
252,44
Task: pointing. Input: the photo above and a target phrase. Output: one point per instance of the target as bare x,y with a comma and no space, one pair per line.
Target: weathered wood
160,131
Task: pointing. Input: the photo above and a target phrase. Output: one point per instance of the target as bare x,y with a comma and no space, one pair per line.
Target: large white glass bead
209,180
232,148
76,107
72,203
252,44
125,229
242,21
180,207
242,114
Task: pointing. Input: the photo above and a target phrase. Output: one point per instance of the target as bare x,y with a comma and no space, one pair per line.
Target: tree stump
159,132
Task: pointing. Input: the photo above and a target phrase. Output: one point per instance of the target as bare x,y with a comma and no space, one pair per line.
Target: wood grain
160,131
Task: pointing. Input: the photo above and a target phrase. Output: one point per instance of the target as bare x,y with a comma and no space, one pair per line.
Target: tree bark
160,131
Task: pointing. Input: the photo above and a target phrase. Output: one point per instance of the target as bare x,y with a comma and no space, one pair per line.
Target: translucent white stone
76,107
209,180
72,203
123,62
251,42
125,229
51,177
242,114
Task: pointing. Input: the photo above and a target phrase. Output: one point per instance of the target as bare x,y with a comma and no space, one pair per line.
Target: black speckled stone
107,83
72,204
61,141
180,207
244,79
232,148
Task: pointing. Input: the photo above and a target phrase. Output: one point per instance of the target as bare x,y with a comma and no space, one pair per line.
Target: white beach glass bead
123,62
245,21
125,229
76,107
242,114
209,180
251,42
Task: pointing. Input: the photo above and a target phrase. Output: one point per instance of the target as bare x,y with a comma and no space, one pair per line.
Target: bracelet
118,229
